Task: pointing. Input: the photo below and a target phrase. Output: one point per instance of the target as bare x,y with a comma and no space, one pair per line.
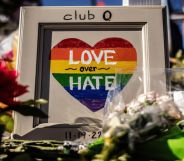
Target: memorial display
71,58
92,84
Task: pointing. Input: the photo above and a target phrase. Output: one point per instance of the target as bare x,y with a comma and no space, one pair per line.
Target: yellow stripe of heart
61,66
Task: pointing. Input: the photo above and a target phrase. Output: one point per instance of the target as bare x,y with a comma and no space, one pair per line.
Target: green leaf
41,101
7,120
35,102
97,143
93,149
27,110
10,125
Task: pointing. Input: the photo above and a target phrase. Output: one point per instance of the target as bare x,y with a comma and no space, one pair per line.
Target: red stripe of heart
105,43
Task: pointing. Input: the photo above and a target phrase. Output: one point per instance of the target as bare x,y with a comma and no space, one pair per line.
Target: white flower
134,107
163,98
142,98
151,97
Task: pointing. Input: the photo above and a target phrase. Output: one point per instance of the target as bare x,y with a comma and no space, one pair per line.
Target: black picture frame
44,48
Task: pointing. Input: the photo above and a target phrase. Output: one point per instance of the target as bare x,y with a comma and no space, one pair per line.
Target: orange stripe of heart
122,54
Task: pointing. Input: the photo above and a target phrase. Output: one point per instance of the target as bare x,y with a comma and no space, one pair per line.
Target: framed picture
70,56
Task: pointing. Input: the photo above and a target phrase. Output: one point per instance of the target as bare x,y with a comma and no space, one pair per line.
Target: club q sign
71,57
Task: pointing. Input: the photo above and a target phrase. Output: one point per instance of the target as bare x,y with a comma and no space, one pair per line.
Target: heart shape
87,72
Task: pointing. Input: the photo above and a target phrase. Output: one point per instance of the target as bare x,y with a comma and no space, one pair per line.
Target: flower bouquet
148,128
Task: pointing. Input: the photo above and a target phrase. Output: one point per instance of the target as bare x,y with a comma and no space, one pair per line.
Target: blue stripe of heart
88,93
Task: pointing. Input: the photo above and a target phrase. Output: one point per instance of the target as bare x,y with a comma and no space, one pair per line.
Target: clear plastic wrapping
158,84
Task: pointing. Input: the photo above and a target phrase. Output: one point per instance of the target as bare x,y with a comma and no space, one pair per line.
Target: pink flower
9,87
8,56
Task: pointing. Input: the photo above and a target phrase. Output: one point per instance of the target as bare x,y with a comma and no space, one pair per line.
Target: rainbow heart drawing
87,72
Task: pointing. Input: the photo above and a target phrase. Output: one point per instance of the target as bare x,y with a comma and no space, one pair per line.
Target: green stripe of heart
64,78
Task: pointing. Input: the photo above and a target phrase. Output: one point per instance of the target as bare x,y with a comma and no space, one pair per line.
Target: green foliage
144,144
166,147
20,150
177,77
178,61
7,120
27,108
93,149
